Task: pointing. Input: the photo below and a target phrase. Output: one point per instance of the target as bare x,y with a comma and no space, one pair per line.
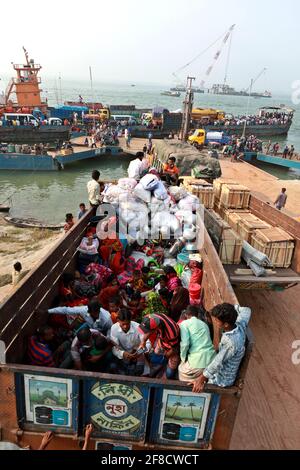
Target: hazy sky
145,41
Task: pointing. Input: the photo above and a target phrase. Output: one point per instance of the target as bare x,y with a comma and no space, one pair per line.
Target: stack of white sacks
169,209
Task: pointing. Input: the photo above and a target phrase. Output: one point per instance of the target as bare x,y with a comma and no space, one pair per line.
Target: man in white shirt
128,337
95,316
136,167
94,189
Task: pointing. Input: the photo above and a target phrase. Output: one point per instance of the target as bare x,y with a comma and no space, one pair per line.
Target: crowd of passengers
126,310
265,119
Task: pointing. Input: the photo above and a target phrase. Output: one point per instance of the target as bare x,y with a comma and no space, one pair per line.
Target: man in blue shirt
223,370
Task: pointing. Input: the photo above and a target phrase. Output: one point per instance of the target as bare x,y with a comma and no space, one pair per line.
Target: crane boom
225,36
255,79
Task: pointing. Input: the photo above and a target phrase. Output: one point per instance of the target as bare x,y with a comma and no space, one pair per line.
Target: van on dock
23,119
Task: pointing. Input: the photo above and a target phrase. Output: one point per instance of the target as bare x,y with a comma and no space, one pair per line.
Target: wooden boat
175,94
32,223
4,208
143,399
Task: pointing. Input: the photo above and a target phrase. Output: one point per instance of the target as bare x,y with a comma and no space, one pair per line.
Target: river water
47,196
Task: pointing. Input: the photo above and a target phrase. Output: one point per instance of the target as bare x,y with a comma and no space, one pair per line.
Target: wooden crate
202,189
230,251
276,244
215,226
235,196
204,193
219,183
248,224
188,180
220,209
233,216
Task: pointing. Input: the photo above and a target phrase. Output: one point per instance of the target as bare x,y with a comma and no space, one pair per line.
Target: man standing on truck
136,167
281,200
223,370
94,189
167,341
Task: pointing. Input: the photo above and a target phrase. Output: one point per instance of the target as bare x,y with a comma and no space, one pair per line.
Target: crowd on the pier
135,305
287,152
239,145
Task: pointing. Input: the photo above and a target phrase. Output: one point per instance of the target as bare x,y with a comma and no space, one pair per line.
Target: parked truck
201,138
207,114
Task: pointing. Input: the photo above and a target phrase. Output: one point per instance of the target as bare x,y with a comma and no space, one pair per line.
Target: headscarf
173,283
179,302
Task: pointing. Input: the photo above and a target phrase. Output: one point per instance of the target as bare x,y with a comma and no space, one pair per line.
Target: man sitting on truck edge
170,172
223,370
40,352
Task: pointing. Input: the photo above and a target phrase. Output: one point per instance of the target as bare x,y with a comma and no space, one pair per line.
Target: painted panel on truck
116,409
47,402
183,418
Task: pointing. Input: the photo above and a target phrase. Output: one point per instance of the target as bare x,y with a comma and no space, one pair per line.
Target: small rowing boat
32,223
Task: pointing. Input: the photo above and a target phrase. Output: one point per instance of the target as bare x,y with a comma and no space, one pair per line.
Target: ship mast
26,56
187,110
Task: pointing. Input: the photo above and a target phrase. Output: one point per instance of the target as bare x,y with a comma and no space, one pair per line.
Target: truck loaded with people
130,325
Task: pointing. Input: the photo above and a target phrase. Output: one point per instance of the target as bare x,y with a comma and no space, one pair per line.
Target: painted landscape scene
48,393
187,409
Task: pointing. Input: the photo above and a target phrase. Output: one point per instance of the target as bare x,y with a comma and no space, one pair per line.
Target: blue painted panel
87,154
15,161
116,409
180,432
278,161
57,419
249,156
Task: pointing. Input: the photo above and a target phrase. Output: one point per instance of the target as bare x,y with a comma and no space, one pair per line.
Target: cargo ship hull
258,131
36,135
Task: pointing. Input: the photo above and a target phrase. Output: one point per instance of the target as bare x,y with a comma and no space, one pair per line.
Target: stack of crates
235,196
203,190
276,244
